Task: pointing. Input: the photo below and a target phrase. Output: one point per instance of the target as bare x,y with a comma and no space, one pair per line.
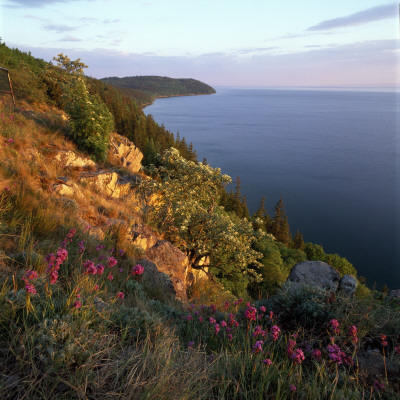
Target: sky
221,42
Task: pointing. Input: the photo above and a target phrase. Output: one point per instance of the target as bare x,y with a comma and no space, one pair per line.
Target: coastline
175,95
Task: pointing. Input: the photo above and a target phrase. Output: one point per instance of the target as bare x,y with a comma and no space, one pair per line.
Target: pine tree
298,241
280,226
262,214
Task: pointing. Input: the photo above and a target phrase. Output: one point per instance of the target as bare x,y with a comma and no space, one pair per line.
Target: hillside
144,89
119,280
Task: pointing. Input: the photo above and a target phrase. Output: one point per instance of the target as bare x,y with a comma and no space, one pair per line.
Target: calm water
333,156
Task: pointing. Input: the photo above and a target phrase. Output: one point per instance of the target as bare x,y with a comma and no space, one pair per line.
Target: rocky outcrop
124,153
160,282
315,273
373,362
321,275
171,261
70,159
107,182
348,285
66,187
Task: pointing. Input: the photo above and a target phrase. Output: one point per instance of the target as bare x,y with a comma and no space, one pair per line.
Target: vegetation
147,88
81,320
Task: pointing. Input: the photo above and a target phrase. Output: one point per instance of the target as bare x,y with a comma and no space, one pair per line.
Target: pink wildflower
30,288
121,252
81,246
263,309
29,275
110,277
334,325
275,331
137,270
271,314
10,141
316,354
90,268
213,308
250,313
230,337
96,287
297,356
112,262
397,349
267,362
120,269
227,305
378,385
383,340
257,331
212,320
201,319
223,324
189,317
335,354
77,304
353,334
100,247
216,329
100,269
120,295
292,388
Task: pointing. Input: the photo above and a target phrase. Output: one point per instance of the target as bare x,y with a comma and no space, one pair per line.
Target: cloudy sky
221,42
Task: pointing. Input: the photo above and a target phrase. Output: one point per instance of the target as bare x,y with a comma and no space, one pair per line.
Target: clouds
34,3
59,28
357,64
363,17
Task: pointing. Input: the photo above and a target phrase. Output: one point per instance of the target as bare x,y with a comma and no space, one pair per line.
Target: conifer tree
280,226
262,214
298,241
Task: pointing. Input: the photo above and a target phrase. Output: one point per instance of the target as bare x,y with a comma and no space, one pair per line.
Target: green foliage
315,252
186,211
90,121
280,226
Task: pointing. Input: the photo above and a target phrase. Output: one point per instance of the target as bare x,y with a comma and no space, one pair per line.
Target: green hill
144,89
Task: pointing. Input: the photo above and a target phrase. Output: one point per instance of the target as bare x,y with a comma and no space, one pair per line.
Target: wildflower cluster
27,278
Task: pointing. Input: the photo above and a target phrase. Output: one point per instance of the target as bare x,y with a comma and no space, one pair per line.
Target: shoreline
175,95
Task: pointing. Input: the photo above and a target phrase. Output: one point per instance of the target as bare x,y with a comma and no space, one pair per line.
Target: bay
332,155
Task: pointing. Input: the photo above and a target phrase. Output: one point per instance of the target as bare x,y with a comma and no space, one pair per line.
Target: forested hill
144,89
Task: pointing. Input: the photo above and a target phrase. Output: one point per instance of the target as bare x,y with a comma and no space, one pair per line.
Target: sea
332,155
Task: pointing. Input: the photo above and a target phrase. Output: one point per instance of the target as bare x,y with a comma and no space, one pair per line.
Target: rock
373,362
143,240
314,273
70,159
108,182
394,294
124,153
348,285
157,280
64,190
170,260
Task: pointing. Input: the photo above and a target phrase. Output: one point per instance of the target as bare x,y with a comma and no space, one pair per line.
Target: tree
89,119
298,241
280,225
185,208
261,218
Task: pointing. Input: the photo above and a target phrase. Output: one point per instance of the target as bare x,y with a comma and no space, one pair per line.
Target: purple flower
190,345
257,347
267,362
216,329
120,295
230,337
292,388
250,313
81,246
77,304
212,320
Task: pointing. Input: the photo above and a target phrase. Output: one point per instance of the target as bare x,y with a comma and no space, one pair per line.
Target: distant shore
174,95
